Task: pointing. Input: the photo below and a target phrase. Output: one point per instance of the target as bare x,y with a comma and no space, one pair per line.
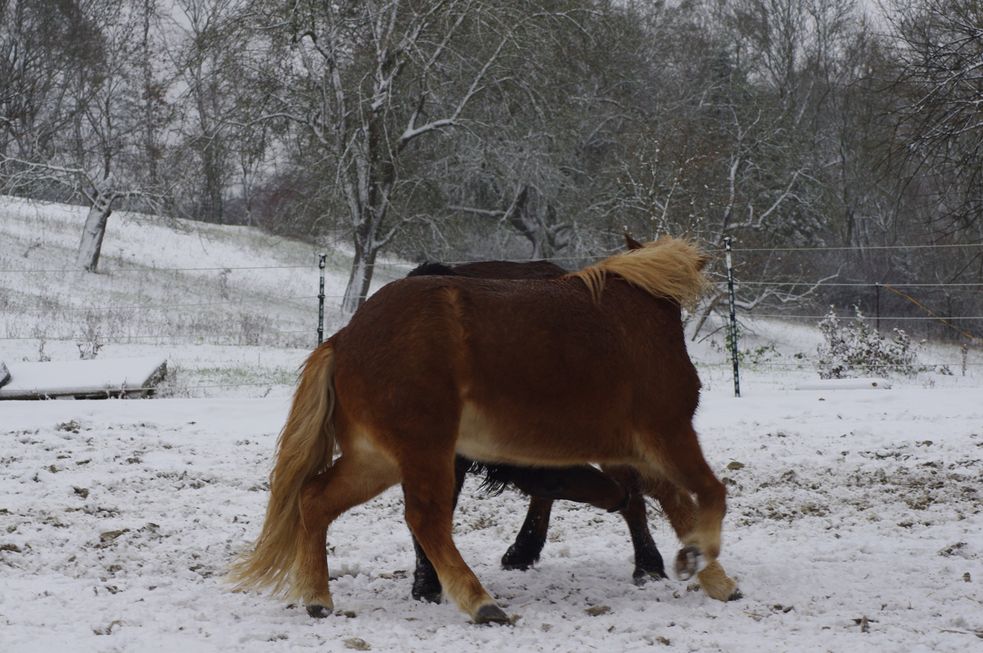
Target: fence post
877,306
320,300
733,317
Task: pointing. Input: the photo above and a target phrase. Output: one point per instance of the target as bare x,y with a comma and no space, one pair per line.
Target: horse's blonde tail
304,449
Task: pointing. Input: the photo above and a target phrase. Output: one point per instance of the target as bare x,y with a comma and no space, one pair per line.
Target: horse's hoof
431,596
689,561
736,595
515,558
318,611
491,614
427,590
516,566
642,576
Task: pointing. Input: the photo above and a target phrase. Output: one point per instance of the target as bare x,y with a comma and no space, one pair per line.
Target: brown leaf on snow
357,644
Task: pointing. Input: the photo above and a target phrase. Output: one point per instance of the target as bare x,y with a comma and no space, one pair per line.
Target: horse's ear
631,243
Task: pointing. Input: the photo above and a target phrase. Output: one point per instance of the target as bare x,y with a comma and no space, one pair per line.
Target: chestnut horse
587,367
616,491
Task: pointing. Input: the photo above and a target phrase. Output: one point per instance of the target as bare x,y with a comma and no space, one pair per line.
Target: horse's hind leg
679,458
428,486
426,585
350,481
528,544
648,560
680,510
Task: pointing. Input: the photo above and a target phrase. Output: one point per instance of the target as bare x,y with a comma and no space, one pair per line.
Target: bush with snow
855,349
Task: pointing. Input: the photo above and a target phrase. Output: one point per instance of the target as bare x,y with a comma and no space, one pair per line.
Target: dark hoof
491,614
736,596
318,611
689,561
433,596
428,590
642,576
516,559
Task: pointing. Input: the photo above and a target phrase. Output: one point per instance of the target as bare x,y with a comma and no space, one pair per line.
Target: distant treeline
456,129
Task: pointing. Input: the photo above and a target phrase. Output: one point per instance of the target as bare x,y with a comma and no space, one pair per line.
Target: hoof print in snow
864,623
957,549
71,426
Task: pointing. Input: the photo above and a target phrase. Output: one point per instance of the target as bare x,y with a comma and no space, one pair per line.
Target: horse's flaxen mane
668,267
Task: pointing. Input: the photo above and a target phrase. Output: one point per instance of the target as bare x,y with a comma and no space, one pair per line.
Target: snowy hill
233,309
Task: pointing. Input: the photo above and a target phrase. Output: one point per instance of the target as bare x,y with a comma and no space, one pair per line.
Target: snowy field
854,516
853,511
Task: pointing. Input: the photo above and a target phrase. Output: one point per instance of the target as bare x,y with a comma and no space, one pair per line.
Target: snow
120,517
854,518
82,377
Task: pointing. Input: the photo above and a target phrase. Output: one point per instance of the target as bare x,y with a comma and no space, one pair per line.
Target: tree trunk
363,265
93,232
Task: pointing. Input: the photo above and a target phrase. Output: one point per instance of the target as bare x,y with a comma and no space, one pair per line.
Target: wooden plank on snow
89,379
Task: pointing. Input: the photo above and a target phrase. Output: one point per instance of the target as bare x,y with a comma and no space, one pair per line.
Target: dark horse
617,491
590,367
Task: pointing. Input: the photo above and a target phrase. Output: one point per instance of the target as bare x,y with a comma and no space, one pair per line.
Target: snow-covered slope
233,309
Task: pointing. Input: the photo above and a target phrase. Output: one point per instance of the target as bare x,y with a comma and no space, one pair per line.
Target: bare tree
375,79
78,134
940,57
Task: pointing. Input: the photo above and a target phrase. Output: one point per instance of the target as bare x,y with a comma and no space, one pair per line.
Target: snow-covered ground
854,519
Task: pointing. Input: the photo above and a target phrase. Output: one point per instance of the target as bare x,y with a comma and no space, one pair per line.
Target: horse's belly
509,441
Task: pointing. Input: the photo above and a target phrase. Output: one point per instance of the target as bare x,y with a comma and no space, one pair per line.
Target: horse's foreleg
648,560
680,510
426,585
528,544
428,487
348,483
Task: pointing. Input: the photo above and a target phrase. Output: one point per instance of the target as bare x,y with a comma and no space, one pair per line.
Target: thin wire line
77,309
150,270
116,391
123,339
850,248
726,365
943,319
858,284
865,317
